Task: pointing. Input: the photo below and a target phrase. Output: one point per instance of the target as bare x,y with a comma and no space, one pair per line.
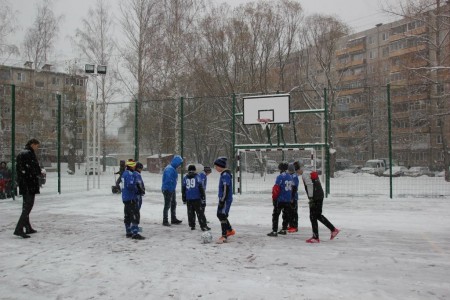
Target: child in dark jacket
193,194
225,198
315,194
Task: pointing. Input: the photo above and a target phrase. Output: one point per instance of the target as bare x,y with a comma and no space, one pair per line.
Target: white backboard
274,107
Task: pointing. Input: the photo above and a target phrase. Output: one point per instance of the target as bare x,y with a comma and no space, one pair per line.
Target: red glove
314,175
275,192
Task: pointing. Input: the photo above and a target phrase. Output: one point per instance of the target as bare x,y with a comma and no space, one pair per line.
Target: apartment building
401,54
36,109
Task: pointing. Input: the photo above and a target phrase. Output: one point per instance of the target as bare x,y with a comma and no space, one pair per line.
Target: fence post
181,116
13,141
327,147
136,131
390,137
233,140
58,97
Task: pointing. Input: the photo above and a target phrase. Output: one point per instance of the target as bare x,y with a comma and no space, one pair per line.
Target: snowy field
387,249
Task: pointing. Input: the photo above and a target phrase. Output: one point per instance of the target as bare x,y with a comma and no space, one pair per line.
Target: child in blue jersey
193,194
204,179
130,201
225,198
282,197
293,222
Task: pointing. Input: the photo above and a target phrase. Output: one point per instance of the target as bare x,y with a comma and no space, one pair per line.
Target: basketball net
264,123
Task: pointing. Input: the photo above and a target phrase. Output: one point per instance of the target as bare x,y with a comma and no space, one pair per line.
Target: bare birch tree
7,27
96,44
41,36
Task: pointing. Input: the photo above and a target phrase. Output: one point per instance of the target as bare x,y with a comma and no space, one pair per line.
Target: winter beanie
207,169
191,168
291,168
221,162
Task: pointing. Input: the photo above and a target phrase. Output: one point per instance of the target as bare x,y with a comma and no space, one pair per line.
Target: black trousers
170,202
222,215
131,213
284,207
24,220
315,214
294,216
194,207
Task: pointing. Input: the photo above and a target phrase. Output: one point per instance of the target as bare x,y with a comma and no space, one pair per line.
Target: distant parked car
374,166
342,164
397,171
386,162
419,171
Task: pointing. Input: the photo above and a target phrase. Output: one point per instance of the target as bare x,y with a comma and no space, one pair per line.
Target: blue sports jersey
284,180
203,179
191,186
129,188
226,180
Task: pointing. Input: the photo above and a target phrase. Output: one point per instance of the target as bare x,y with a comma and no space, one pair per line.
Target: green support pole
233,141
136,131
181,116
327,147
390,137
58,97
13,140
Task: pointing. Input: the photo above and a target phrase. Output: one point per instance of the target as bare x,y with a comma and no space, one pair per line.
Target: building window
439,139
370,40
372,54
55,81
39,84
20,77
384,36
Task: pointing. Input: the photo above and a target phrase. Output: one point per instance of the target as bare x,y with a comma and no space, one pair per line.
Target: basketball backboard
267,107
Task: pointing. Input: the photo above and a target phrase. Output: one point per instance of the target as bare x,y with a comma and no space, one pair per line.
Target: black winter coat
28,172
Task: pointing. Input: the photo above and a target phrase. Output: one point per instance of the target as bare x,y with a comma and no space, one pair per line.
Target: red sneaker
230,232
313,240
292,229
334,233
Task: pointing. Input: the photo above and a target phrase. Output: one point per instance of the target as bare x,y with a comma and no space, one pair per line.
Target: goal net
257,169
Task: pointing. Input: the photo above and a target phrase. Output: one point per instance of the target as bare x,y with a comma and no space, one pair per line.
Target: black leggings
315,214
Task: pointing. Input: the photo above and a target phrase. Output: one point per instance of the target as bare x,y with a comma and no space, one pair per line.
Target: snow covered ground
387,249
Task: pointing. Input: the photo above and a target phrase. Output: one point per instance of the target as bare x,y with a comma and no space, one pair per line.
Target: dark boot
21,234
176,221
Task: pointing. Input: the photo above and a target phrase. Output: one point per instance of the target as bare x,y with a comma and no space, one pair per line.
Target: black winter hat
191,168
221,162
283,166
207,169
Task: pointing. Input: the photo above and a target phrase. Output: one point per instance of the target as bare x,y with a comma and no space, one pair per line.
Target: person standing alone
28,172
168,188
225,198
315,194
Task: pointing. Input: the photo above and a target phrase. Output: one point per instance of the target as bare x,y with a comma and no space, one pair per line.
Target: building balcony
415,32
357,48
352,77
407,50
350,64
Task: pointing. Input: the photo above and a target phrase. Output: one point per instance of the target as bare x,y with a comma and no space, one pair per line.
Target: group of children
284,196
285,200
193,195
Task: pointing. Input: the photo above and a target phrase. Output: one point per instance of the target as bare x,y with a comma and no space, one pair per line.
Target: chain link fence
367,131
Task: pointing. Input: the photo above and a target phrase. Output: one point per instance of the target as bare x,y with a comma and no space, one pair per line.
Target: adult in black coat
28,172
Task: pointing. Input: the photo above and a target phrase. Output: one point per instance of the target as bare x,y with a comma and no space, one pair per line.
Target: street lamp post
94,70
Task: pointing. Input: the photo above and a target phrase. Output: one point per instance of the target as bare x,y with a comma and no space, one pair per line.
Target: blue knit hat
221,162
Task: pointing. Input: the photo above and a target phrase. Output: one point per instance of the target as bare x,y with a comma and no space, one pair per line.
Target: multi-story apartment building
36,109
402,54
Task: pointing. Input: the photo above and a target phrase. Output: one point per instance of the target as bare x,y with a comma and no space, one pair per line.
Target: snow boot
273,233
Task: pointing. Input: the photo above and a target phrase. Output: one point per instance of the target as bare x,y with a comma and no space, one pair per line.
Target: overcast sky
359,14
